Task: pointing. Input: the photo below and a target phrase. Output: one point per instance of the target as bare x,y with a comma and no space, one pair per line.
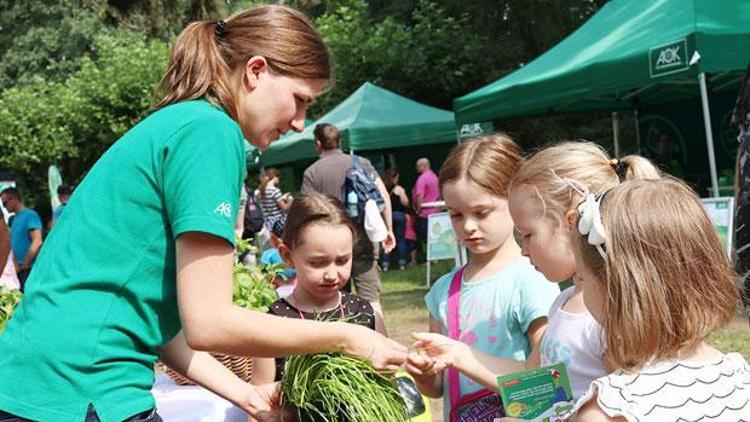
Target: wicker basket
241,366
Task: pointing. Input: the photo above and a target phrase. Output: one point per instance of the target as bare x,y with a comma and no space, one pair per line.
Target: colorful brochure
542,394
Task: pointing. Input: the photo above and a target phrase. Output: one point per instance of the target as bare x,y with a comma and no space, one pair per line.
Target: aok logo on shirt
225,209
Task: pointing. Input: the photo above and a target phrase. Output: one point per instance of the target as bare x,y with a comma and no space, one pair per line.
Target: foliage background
76,74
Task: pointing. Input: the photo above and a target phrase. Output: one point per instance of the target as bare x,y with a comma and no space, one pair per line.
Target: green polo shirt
101,299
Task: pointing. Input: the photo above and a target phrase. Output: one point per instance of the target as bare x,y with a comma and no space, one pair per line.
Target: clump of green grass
336,387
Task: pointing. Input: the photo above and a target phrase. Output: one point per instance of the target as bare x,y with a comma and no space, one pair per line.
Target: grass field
405,312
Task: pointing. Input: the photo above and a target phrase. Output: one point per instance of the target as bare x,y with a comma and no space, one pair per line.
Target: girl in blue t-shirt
498,302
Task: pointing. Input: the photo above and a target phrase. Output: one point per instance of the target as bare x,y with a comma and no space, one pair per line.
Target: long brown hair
206,53
390,174
313,207
667,281
489,161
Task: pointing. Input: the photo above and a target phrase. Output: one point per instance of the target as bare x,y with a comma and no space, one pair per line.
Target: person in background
285,281
327,175
399,205
8,278
410,235
25,233
63,194
272,201
239,222
425,190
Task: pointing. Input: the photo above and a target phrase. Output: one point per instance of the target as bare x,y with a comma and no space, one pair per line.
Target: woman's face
270,104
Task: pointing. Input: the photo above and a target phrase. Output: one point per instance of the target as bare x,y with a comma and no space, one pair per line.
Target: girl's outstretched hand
421,366
444,350
384,354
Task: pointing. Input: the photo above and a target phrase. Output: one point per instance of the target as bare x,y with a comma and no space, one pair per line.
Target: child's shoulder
283,308
441,286
354,302
675,389
358,310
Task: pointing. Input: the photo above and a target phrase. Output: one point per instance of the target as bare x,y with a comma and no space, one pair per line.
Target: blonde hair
667,281
584,162
206,53
489,161
310,208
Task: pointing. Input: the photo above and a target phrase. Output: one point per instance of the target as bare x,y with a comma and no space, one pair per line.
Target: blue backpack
359,186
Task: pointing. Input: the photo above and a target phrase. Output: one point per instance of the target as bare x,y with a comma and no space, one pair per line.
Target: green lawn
405,312
403,293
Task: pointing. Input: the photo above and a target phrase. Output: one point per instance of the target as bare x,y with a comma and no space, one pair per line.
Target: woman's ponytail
197,69
206,54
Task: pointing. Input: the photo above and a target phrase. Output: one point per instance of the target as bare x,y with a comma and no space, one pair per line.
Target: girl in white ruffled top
655,276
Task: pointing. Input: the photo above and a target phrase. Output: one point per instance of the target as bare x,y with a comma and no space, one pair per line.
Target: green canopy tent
372,118
630,54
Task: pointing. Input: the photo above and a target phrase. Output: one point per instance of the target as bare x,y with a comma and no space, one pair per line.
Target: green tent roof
630,52
371,118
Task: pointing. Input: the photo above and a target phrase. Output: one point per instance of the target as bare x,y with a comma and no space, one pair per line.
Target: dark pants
91,416
399,231
22,276
365,275
422,236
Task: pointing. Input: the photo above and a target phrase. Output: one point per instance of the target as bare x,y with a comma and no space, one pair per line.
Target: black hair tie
220,29
619,167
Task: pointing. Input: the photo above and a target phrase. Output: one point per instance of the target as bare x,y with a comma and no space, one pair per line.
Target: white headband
590,218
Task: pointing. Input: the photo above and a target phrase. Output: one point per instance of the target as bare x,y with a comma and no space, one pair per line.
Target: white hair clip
590,222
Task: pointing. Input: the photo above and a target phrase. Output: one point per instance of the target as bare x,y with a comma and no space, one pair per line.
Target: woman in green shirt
139,268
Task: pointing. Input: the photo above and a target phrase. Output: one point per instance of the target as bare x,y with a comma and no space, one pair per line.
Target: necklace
302,316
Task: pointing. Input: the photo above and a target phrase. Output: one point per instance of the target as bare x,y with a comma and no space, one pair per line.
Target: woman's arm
262,402
211,322
401,193
283,202
4,242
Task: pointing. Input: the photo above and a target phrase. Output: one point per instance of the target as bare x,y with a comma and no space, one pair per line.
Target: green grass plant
334,387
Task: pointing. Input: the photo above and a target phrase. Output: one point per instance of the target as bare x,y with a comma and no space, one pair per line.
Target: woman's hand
421,366
263,402
383,353
444,350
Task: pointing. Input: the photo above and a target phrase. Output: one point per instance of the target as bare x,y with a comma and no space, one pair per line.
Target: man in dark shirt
327,175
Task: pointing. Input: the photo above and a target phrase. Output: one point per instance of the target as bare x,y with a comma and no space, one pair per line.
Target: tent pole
637,131
616,132
709,134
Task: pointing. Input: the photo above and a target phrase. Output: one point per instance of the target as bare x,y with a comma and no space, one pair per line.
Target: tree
73,122
419,60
